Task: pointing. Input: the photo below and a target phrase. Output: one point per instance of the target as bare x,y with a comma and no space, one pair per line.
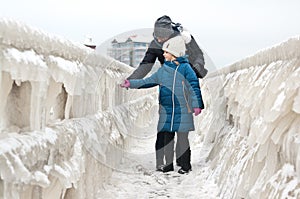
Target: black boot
160,168
167,168
184,171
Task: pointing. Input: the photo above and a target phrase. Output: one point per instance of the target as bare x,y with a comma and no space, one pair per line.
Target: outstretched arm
144,83
146,64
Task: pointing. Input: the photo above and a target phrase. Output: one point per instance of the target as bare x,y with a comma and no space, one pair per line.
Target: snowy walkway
137,178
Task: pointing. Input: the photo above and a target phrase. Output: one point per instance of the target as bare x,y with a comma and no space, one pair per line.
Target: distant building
129,50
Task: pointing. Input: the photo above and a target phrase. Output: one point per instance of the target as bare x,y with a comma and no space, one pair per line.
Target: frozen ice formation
64,120
252,124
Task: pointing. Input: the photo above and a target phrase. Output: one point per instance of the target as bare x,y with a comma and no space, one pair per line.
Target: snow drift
252,123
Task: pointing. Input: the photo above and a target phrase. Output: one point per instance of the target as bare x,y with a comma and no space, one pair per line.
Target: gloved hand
197,111
125,84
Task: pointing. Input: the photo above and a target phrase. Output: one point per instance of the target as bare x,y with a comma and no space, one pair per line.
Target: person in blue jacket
164,29
179,97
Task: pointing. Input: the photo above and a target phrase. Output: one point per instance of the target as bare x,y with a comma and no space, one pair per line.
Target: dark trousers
183,150
164,148
159,148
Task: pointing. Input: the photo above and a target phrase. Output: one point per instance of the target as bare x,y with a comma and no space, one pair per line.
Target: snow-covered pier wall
62,126
251,127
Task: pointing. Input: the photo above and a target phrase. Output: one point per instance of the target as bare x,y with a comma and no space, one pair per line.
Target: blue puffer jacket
179,93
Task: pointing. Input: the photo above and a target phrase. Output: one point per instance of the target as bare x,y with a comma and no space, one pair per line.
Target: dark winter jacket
155,51
179,94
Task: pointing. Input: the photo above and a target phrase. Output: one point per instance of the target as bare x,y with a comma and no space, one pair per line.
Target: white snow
136,178
67,130
258,134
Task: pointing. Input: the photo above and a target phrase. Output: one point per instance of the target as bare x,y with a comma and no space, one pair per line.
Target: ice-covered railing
64,121
251,125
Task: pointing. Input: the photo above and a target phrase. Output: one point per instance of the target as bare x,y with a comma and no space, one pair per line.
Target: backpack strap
178,26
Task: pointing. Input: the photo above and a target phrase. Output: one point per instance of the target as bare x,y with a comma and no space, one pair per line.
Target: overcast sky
227,30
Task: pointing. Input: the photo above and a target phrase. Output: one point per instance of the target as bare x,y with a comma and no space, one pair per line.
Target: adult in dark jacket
179,97
165,29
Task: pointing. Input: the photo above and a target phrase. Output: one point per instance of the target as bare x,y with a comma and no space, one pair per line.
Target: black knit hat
163,27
